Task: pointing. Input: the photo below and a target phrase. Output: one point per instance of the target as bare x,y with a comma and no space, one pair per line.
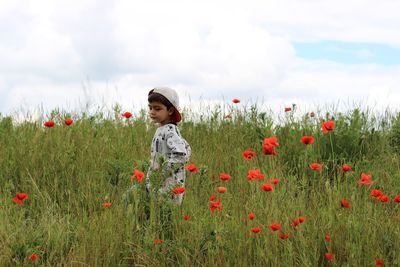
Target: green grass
69,171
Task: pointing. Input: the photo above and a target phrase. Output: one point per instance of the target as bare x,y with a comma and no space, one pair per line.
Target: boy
169,150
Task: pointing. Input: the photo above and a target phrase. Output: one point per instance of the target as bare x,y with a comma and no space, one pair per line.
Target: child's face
158,113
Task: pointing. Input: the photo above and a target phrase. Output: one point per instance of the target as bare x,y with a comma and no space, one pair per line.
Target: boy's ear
171,111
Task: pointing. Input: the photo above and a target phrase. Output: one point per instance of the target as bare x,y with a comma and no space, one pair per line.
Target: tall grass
69,171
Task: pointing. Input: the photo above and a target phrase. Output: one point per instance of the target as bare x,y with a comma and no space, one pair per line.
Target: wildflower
345,204
251,216
256,229
295,223
178,190
283,236
248,154
376,193
275,181
225,177
397,199
328,126
186,217
269,144
221,189
106,204
312,114
384,198
192,168
346,168
379,262
254,175
328,237
235,100
68,122
267,187
287,109
307,139
302,219
365,179
138,175
158,241
49,123
20,198
275,226
127,115
215,203
315,166
272,141
329,256
34,257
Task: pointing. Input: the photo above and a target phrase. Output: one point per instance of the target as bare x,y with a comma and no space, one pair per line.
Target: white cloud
212,49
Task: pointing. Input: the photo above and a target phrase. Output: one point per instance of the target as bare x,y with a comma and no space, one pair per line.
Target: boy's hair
156,97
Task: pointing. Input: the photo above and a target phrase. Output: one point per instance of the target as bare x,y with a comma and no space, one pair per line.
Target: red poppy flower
221,189
127,115
267,187
315,166
225,177
345,204
254,175
68,122
376,193
272,141
283,235
106,204
397,199
22,196
17,200
186,217
248,154
275,181
379,262
269,150
192,168
275,226
138,175
295,223
251,216
178,190
302,219
328,237
215,203
287,109
49,123
328,126
329,256
365,179
384,198
34,257
307,139
235,100
158,241
346,168
256,229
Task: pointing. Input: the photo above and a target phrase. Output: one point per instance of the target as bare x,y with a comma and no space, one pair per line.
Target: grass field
69,172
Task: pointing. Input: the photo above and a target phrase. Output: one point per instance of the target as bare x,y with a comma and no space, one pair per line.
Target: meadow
65,199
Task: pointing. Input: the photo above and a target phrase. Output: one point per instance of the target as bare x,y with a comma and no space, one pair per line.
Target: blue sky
349,52
64,54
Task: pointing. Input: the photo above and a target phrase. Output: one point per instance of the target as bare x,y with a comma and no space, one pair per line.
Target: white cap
172,97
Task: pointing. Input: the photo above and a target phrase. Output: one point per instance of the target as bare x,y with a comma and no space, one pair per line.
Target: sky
73,54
